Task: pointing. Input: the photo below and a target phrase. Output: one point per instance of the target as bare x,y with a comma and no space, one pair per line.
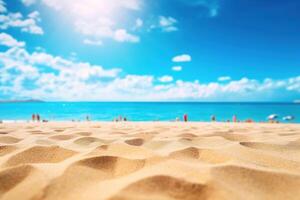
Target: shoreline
139,122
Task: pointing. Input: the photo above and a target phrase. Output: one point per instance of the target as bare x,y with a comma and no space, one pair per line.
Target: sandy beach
150,161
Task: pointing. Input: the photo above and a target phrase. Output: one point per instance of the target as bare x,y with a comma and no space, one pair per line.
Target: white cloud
49,75
103,28
73,81
167,24
121,35
9,41
132,84
213,6
28,2
35,15
182,58
138,23
93,6
92,42
44,76
224,78
16,20
177,68
2,6
294,84
166,79
40,49
79,70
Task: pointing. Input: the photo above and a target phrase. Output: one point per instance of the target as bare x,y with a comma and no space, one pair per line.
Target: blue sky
164,50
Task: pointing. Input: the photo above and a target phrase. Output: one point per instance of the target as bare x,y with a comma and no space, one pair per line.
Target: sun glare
92,8
96,8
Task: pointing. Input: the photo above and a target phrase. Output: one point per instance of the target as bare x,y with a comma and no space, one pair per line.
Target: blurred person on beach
213,118
185,117
33,117
38,118
234,118
249,121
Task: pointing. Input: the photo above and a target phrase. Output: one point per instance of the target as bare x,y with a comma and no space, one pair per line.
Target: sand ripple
13,176
147,161
163,187
40,154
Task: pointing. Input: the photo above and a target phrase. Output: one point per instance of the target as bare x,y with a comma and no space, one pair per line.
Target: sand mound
145,136
6,149
295,142
9,140
135,142
9,178
123,150
163,187
187,135
40,154
44,142
287,134
115,166
190,152
269,146
205,155
157,144
85,141
63,137
92,170
258,183
231,136
37,132
59,130
84,133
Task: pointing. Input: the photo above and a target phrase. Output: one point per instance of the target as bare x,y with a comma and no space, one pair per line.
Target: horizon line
113,101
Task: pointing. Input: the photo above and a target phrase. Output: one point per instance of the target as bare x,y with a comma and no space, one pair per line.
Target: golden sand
149,161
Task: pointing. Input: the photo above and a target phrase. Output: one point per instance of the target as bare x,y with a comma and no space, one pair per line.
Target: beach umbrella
272,117
288,118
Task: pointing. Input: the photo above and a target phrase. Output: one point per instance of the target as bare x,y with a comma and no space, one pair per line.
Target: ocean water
164,111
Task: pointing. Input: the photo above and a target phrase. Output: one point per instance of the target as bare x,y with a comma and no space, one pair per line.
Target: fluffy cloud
9,41
138,23
44,76
165,79
92,42
2,6
28,2
121,35
40,74
213,6
167,24
224,78
182,58
17,20
177,68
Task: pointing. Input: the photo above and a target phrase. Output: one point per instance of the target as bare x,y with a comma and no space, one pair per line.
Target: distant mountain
21,101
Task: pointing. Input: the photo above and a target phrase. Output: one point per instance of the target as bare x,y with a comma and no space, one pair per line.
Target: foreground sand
150,161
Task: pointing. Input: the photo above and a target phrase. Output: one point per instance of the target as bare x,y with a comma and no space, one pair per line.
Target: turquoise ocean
146,111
